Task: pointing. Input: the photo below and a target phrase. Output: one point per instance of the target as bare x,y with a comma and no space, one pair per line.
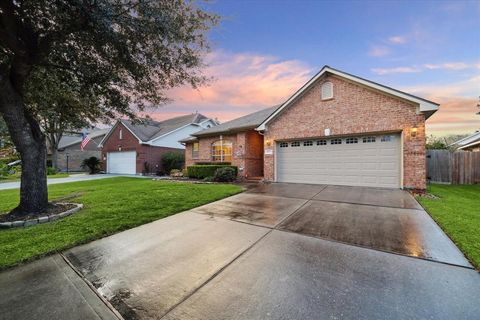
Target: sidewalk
49,289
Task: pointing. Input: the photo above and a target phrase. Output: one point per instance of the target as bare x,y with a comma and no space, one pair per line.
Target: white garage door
372,161
122,162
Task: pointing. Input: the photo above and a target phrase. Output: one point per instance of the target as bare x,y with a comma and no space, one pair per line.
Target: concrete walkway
49,289
278,251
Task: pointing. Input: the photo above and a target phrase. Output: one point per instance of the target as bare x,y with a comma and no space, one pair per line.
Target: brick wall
145,153
354,109
247,152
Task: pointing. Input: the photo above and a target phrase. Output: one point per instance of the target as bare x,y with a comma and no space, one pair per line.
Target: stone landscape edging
44,219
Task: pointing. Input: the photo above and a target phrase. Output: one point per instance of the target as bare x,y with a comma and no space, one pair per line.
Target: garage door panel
359,164
122,162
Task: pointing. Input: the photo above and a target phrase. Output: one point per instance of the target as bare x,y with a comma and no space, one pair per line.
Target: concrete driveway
286,251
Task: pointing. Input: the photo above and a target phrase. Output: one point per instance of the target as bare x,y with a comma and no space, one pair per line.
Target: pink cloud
379,51
448,66
384,71
242,83
397,40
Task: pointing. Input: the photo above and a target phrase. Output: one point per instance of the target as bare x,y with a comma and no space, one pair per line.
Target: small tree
172,160
434,142
93,164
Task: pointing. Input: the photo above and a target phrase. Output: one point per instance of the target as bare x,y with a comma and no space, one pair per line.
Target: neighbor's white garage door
372,161
122,162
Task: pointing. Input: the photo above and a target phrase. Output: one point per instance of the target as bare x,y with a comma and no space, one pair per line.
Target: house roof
469,141
70,140
147,130
425,106
250,121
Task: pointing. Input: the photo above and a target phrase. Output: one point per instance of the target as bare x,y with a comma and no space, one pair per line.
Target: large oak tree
125,53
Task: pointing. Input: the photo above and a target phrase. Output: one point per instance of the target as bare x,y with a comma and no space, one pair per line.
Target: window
321,142
327,90
120,134
295,144
222,151
368,139
283,144
195,148
308,143
386,138
351,140
336,141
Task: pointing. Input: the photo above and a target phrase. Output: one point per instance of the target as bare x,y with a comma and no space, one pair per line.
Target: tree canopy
91,60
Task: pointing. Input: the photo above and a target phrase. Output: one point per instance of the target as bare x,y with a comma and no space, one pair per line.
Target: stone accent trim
44,219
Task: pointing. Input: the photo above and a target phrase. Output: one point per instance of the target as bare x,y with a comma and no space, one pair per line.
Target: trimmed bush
204,171
172,160
225,174
92,164
51,171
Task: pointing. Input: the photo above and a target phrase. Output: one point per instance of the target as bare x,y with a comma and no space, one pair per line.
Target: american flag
85,141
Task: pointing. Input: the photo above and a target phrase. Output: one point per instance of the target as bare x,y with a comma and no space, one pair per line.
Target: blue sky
270,48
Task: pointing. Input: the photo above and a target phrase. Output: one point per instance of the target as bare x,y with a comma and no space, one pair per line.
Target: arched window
222,151
327,90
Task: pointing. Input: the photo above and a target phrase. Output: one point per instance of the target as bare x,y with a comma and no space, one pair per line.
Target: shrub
93,164
172,160
225,174
203,171
185,172
51,171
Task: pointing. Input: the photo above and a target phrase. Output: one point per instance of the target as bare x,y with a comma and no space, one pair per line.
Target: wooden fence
459,167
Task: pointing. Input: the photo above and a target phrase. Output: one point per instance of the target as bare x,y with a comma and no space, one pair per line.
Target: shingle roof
147,129
67,141
468,141
249,121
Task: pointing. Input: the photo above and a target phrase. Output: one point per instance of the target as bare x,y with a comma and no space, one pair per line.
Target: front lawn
111,205
457,211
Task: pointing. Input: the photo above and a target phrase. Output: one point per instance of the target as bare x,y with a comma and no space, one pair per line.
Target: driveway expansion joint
92,287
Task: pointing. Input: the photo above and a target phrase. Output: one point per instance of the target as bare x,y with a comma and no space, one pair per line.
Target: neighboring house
470,143
137,148
336,129
69,154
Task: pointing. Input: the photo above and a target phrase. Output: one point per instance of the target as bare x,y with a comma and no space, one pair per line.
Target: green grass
457,211
16,177
110,205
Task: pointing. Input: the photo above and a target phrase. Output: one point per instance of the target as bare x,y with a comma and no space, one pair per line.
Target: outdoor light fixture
267,143
413,132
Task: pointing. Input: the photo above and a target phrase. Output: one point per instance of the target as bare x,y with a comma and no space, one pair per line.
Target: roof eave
229,131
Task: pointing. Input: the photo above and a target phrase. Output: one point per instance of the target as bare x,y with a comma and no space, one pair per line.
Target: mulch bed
53,208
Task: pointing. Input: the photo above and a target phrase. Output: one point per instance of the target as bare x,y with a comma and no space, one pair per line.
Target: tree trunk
30,143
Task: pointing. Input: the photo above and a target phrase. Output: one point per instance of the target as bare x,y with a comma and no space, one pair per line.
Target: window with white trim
321,142
308,143
336,141
327,90
295,144
222,150
351,140
368,139
283,144
386,138
120,134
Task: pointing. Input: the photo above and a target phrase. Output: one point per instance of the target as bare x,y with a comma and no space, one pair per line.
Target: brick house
470,143
69,154
137,147
336,129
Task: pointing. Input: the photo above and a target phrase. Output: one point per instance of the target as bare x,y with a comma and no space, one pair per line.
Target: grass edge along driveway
457,212
110,206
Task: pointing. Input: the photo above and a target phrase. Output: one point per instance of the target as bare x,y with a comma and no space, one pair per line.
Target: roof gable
425,106
147,130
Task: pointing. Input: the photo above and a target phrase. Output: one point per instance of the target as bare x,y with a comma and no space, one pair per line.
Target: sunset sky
263,51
